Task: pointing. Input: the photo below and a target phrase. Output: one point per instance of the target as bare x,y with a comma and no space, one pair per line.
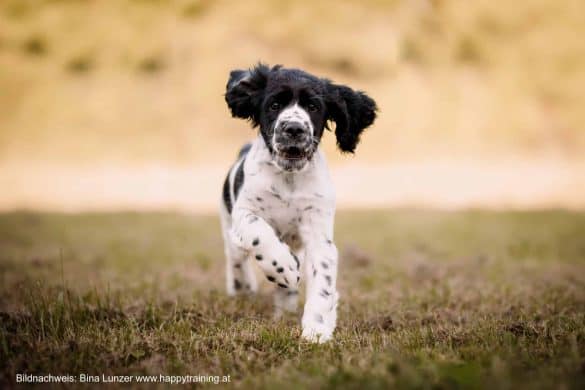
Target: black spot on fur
227,200
328,279
280,270
286,280
259,199
319,318
256,241
271,278
237,284
237,265
252,219
324,293
244,150
282,285
239,179
329,241
258,257
324,265
292,292
274,263
308,208
296,259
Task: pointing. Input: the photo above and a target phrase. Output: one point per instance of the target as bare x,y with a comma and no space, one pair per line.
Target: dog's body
278,200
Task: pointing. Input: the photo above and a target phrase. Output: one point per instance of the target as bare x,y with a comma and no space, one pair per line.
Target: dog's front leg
320,312
253,234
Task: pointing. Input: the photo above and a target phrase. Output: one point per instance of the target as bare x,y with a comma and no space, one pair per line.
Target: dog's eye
274,106
312,107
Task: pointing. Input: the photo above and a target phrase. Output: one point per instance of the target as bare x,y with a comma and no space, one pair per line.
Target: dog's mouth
293,153
292,157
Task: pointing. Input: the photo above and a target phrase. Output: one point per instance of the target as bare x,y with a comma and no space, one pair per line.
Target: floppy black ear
352,111
244,92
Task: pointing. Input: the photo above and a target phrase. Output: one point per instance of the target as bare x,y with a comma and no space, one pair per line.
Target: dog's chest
286,202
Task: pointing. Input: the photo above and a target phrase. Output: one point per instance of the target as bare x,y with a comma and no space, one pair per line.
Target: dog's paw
317,333
283,268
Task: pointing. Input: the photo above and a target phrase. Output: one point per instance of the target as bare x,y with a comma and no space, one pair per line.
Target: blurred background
119,104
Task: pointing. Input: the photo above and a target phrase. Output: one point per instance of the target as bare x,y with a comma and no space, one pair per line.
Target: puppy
278,201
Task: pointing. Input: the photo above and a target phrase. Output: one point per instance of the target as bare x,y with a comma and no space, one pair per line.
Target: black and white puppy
278,200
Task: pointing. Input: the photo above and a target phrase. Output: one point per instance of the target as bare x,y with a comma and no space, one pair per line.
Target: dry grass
429,299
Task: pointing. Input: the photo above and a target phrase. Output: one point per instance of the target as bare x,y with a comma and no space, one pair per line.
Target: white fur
297,208
295,113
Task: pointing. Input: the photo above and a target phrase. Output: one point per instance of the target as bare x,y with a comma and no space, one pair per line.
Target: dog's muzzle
293,145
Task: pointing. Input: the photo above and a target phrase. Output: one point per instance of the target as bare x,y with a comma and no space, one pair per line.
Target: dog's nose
294,130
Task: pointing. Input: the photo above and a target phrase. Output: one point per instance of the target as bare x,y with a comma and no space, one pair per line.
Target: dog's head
292,108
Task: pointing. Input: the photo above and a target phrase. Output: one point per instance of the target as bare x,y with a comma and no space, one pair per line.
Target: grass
430,299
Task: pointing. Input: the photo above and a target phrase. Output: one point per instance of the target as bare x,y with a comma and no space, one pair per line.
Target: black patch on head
280,270
258,257
239,179
237,284
227,199
256,241
271,278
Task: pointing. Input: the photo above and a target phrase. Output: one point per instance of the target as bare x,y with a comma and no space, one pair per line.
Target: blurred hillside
134,82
